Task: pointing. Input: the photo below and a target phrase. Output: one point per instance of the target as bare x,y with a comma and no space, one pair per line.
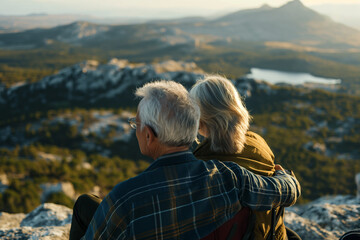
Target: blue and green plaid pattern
181,197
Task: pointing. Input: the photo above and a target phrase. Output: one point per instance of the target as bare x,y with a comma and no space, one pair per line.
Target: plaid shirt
181,197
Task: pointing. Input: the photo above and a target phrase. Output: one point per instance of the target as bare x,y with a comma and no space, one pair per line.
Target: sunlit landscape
67,82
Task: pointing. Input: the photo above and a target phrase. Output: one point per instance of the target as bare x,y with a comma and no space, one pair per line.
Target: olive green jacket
258,158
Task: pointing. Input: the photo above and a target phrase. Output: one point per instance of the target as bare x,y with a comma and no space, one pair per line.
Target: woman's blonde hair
222,112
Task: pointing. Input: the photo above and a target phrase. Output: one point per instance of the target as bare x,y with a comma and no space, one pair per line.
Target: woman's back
258,158
224,122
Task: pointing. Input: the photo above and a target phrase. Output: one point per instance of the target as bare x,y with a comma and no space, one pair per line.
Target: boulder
8,221
325,218
48,214
48,221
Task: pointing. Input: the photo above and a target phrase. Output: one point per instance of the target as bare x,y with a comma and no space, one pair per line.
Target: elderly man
177,196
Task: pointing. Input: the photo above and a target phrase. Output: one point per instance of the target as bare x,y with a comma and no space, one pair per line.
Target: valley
66,93
72,127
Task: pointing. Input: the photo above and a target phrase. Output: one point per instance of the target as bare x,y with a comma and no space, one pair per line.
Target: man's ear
149,134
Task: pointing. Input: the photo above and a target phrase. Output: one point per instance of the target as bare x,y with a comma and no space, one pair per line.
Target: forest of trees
26,172
279,118
283,119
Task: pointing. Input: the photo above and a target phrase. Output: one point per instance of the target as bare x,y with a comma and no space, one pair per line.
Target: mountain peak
296,9
293,4
265,7
241,13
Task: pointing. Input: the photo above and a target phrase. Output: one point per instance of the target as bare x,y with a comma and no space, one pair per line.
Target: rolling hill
292,22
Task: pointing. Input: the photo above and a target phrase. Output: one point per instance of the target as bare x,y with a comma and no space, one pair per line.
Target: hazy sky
142,8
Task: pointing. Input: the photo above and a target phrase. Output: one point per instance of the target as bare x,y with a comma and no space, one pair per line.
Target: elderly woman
224,122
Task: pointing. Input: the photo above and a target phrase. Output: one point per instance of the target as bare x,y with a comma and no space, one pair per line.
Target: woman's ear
202,129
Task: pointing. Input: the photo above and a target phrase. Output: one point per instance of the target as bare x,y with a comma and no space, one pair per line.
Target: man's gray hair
167,107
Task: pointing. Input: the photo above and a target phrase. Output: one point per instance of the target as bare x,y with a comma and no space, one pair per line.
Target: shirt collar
172,159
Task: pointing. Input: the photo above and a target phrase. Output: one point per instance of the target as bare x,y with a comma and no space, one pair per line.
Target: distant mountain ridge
12,23
345,13
292,22
97,36
232,16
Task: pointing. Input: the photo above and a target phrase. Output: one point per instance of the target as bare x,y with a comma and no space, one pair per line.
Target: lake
274,77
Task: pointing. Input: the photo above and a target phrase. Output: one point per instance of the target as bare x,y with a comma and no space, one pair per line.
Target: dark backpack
235,228
241,227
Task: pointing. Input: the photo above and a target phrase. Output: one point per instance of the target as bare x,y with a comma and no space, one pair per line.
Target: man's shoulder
132,185
154,181
224,166
159,180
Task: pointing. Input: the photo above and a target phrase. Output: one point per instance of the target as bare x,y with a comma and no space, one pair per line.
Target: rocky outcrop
339,130
88,84
92,84
326,218
48,221
46,215
247,86
9,221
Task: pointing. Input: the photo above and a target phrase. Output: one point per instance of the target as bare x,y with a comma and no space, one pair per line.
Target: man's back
180,197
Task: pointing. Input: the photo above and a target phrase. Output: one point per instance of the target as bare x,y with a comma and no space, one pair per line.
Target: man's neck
163,150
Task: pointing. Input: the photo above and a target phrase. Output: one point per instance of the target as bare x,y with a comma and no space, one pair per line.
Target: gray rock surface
8,221
92,82
48,214
325,218
48,221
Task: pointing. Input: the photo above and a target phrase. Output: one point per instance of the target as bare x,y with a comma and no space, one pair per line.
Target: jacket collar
172,159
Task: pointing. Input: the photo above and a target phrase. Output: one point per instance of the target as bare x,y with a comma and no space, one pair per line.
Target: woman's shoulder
257,148
255,136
